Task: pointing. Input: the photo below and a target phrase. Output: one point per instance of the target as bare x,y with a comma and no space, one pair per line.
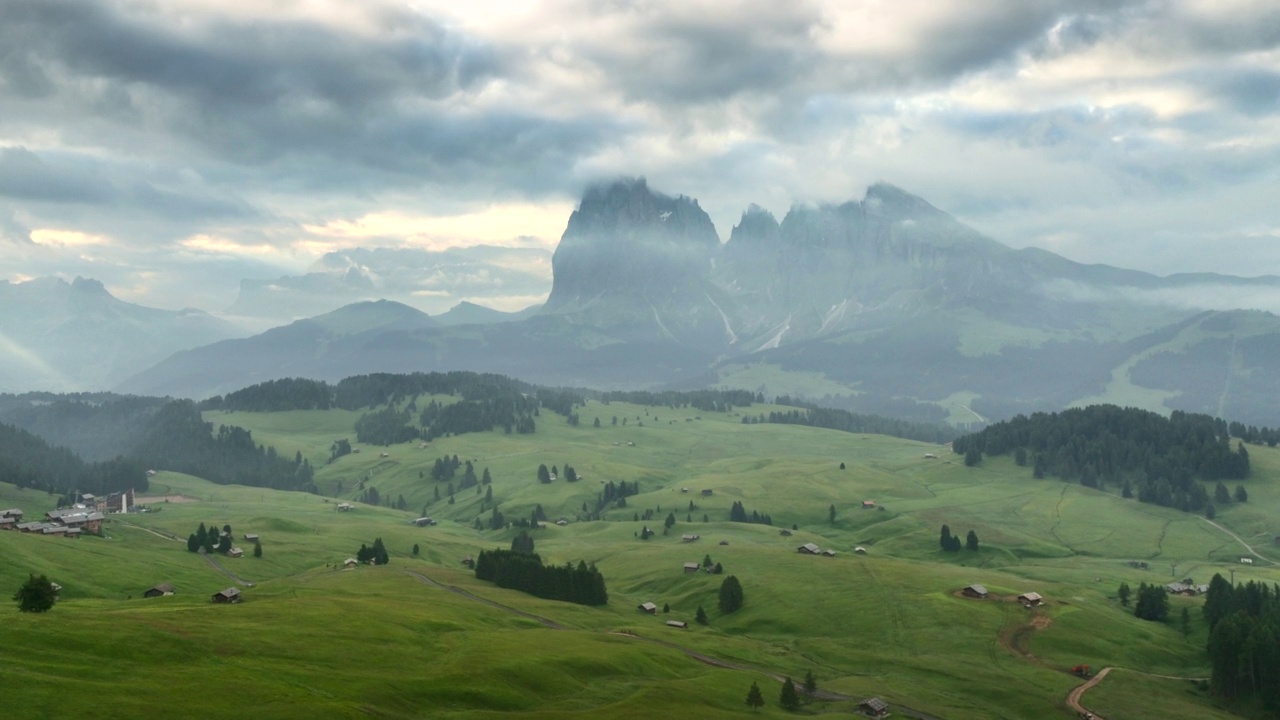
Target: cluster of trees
738,513
1244,641
951,543
706,400
29,462
846,421
95,426
1103,445
511,412
583,584
616,493
1152,601
788,697
210,539
387,426
339,448
141,433
545,476
182,441
376,554
485,401
275,396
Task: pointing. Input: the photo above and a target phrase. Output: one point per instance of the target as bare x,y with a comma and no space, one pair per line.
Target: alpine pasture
421,637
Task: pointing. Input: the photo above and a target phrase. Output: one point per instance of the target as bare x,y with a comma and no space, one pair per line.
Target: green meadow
395,641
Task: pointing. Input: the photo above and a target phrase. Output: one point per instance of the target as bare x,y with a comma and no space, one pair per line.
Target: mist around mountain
881,305
64,337
506,278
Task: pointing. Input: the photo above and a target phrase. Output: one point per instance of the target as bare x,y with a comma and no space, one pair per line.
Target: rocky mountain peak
626,240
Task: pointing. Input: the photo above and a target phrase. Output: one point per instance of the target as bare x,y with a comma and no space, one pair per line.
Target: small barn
250,537
350,563
8,523
706,493
975,591
874,707
344,507
678,624
809,549
689,538
692,567
860,550
14,513
235,552
230,595
1031,599
868,504
829,553
648,607
784,532
159,590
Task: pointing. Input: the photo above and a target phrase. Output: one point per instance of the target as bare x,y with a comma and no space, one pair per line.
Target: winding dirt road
1073,699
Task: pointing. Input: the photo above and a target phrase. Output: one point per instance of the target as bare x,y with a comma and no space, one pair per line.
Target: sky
172,148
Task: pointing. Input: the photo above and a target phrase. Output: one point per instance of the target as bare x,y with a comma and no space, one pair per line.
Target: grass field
310,638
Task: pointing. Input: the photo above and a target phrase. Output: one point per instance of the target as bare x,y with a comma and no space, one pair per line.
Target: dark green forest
28,461
846,421
1244,642
583,584
1157,459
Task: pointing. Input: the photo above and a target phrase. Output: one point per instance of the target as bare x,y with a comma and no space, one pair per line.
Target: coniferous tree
971,541
1221,495
544,475
1123,594
701,616
972,456
257,549
831,514
788,698
380,556
193,544
1242,495
415,549
731,596
36,595
755,700
944,541
810,684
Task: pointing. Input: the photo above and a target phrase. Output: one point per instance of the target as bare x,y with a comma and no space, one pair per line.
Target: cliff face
640,261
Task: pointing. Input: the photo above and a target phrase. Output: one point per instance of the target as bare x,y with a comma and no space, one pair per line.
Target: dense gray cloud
148,143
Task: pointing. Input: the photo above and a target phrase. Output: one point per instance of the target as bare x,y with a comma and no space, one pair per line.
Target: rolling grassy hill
394,641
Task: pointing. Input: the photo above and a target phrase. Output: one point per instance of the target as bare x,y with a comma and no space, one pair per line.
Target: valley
421,636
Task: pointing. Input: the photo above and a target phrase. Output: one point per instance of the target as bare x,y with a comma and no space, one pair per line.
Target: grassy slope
886,623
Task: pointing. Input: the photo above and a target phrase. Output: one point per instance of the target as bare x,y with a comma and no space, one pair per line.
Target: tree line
1244,641
845,421
583,584
27,461
1105,445
738,513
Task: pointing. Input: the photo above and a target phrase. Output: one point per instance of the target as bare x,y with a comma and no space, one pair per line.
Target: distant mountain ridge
62,336
885,305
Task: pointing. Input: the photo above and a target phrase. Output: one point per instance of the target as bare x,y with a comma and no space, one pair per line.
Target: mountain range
884,304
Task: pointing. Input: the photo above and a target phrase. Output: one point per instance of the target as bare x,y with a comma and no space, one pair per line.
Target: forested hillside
29,462
1159,459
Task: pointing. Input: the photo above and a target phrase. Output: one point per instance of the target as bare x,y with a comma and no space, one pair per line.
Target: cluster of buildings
69,522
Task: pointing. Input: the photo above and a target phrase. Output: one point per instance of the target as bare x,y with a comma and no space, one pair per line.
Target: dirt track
1073,698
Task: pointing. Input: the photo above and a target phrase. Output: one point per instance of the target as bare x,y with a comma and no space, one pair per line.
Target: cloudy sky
172,148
